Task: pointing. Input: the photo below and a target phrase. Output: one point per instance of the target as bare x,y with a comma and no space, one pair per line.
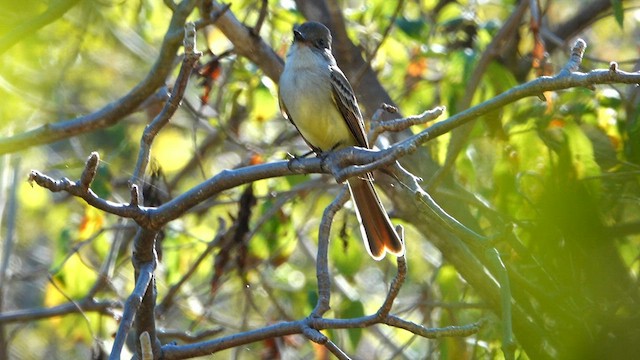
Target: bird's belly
325,129
313,111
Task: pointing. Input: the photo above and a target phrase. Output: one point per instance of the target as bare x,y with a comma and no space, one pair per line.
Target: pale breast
305,90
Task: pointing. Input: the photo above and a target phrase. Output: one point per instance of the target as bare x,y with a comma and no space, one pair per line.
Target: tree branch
87,304
170,107
131,307
322,262
172,351
335,162
247,44
117,110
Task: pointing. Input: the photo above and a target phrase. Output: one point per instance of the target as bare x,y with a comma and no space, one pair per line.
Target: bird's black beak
297,36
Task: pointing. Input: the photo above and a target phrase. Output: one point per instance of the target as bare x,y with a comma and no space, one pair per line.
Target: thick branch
247,44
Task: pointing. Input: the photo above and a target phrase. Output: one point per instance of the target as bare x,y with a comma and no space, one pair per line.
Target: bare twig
131,307
106,271
86,305
170,107
577,52
145,260
430,333
336,351
188,336
396,284
170,4
261,17
322,263
89,172
171,351
78,189
396,125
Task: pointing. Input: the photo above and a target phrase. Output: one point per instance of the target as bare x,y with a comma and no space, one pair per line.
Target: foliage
553,183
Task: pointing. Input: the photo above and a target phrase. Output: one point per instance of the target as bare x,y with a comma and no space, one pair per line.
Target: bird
316,97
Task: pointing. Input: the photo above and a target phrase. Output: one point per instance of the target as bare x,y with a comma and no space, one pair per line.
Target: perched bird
316,97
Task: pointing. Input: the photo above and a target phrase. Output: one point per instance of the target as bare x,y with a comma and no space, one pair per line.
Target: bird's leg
293,157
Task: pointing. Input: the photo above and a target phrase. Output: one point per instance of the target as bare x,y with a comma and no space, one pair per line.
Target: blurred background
553,181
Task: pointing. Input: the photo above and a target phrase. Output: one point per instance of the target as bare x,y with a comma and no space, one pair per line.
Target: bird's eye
320,43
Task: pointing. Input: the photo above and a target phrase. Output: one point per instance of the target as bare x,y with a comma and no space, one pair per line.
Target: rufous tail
378,232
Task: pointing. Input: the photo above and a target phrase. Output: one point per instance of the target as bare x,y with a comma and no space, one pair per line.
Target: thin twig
262,15
396,125
396,284
170,107
131,307
577,52
431,333
322,262
172,351
86,305
336,351
106,271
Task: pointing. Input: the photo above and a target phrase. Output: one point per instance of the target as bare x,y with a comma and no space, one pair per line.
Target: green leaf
312,297
609,98
275,236
413,28
354,309
581,152
347,253
618,12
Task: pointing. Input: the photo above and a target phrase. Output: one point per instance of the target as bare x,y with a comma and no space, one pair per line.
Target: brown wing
346,102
